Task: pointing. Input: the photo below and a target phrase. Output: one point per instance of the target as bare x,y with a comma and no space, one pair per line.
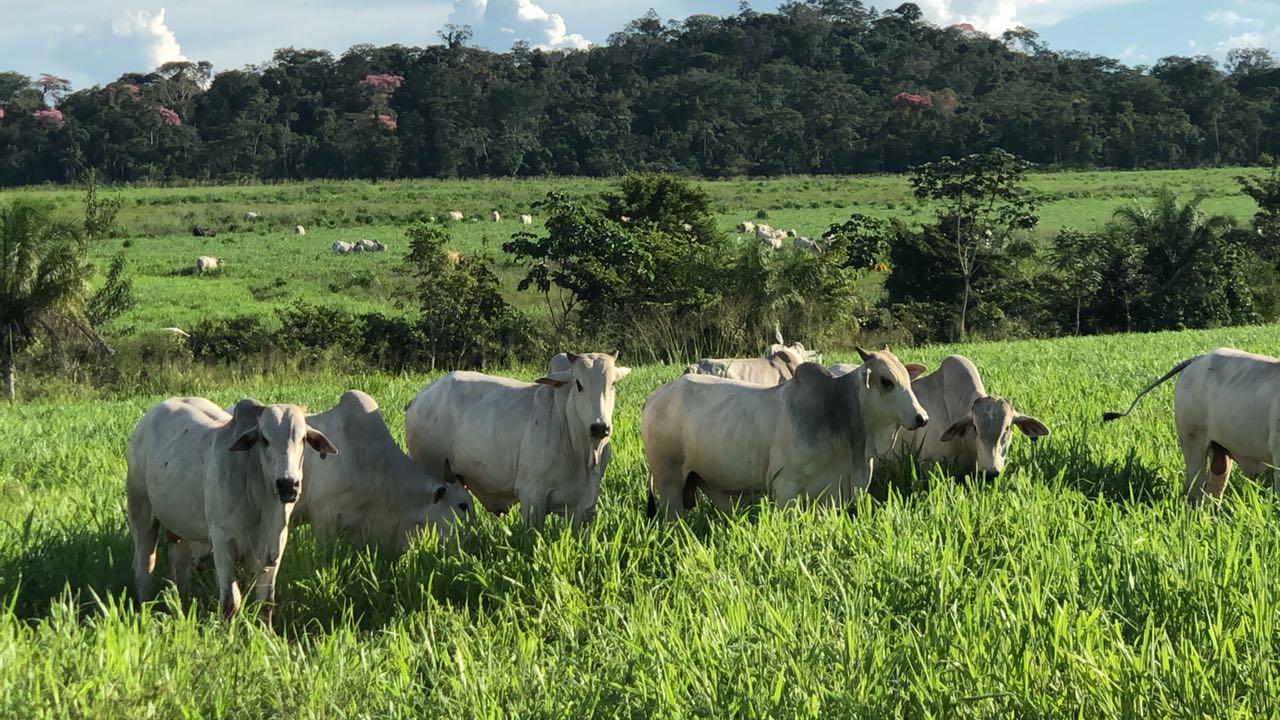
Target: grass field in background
1078,584
267,267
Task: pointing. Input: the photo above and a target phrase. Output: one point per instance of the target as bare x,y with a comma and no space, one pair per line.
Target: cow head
887,385
276,433
589,386
988,428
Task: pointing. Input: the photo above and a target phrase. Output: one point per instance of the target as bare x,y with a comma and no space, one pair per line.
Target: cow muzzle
600,431
287,489
920,421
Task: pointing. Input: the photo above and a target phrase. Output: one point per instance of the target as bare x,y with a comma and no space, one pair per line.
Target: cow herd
228,482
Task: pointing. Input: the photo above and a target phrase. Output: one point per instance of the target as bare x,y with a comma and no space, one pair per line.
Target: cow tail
1109,416
651,509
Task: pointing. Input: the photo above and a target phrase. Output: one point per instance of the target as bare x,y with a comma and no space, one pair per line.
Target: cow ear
785,357
571,357
614,355
915,370
438,495
620,372
558,379
863,354
245,441
1030,426
958,428
320,443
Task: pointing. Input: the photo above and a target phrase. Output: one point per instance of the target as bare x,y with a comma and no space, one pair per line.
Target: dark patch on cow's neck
823,407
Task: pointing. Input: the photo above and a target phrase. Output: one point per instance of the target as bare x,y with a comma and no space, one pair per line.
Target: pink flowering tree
50,116
51,87
911,101
387,122
379,88
168,117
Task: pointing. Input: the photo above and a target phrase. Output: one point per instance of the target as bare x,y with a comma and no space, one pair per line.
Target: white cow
371,246
747,227
373,492
1225,406
797,350
969,430
539,444
216,482
526,219
804,244
342,248
206,263
251,216
814,438
494,216
455,215
299,230
773,370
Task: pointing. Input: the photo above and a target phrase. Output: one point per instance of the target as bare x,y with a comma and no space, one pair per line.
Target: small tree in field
1075,256
983,203
43,274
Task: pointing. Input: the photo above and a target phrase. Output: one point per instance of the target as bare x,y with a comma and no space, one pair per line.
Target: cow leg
533,510
180,558
1195,453
145,530
1219,469
224,563
667,485
265,590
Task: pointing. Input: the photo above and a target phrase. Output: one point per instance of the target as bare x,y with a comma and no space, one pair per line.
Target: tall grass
1079,584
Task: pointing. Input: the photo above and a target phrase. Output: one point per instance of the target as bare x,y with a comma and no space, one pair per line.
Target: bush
231,340
311,327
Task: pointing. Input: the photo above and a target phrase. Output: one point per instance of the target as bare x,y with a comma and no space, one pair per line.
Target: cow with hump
373,492
540,444
815,437
217,482
969,431
1226,404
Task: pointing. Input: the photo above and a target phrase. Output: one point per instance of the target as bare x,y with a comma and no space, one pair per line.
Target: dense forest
820,86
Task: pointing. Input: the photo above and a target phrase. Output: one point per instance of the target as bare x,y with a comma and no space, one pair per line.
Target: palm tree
43,275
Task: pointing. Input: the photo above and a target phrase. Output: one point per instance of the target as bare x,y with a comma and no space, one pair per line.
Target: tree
43,274
1074,256
983,203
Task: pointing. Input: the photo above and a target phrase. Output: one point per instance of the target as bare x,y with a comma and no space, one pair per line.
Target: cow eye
886,384
579,384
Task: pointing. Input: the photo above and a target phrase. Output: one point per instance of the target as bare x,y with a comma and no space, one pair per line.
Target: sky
94,41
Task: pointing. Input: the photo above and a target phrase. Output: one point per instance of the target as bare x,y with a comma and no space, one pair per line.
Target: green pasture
1079,584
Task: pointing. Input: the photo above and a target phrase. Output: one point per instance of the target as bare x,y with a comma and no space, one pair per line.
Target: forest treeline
820,86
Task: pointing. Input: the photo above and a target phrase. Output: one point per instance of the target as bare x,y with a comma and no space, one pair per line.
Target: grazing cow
372,246
797,350
526,219
814,438
217,482
206,263
624,218
770,237
250,216
455,215
204,232
804,244
773,370
342,248
176,332
747,227
373,492
1224,407
970,431
453,256
299,230
539,444
494,216
792,233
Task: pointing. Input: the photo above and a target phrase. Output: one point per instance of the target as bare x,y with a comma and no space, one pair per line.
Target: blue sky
93,41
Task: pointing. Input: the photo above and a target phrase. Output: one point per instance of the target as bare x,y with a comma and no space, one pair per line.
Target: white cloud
1243,40
1131,55
995,16
498,23
1232,19
161,44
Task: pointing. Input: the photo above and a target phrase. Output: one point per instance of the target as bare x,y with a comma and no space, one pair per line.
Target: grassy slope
267,267
1077,585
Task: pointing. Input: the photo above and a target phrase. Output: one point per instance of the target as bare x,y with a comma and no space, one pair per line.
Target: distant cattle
373,492
299,230
341,248
494,216
797,350
220,483
747,227
453,256
250,216
176,332
206,263
372,246
770,237
539,444
455,215
804,244
815,438
204,232
526,219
